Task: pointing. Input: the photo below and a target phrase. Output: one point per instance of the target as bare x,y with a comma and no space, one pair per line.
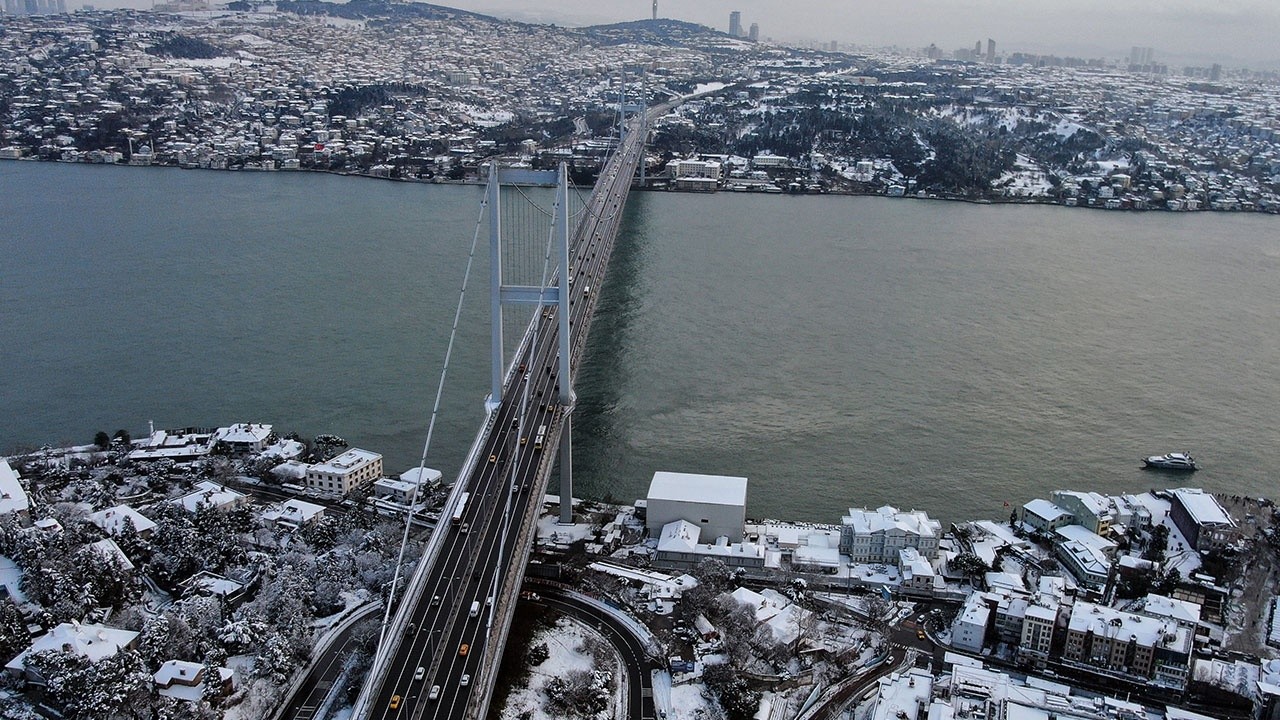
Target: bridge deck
436,630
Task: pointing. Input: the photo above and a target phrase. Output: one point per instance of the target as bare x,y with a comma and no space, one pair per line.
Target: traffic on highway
447,645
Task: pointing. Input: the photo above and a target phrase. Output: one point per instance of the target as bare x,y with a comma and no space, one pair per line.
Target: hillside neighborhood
424,93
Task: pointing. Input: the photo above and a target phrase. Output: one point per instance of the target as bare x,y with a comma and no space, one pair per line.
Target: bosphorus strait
837,351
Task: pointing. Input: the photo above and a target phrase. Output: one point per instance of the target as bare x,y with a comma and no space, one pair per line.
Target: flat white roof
12,497
344,463
689,487
1203,507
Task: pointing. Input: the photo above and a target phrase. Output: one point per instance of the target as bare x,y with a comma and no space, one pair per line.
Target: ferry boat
1172,461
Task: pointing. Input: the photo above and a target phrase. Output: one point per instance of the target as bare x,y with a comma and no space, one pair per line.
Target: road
311,695
435,671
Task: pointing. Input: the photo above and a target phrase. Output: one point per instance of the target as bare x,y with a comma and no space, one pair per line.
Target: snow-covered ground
688,702
566,643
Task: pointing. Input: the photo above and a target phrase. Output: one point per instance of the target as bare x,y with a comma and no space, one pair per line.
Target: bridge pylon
543,296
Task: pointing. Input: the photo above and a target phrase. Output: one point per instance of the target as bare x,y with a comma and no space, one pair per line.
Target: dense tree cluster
176,45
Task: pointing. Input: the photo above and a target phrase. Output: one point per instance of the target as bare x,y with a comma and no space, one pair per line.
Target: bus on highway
462,507
542,435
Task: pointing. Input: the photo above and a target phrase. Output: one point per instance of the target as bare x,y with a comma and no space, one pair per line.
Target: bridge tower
542,296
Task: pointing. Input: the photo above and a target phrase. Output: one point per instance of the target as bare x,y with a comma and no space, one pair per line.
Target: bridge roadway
459,651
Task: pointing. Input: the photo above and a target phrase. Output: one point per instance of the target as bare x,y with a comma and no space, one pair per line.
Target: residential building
1045,516
1085,554
180,446
92,642
244,437
1136,646
13,499
917,573
213,495
404,489
1089,509
344,473
293,513
679,547
902,695
1036,640
876,536
184,680
717,504
112,521
969,631
1202,520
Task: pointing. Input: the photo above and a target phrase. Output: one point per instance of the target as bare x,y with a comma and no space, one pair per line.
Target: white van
475,608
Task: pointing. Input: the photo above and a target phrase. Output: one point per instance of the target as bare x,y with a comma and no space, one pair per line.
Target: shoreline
478,182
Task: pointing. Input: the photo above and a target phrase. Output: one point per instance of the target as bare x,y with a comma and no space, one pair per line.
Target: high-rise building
1215,72
991,51
1140,56
735,23
754,34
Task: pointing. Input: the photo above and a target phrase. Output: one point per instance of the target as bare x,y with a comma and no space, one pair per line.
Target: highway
457,623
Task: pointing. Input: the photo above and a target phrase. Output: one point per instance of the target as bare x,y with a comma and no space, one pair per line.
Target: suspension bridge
439,655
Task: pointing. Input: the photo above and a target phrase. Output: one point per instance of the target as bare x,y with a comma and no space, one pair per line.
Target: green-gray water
837,351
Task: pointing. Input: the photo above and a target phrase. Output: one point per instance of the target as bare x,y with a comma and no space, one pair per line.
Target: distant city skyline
1240,32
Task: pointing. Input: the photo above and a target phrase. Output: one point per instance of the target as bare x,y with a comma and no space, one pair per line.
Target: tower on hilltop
655,9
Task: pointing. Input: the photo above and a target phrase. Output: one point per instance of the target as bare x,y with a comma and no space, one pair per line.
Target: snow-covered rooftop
888,518
1203,507
1145,630
243,434
93,642
1044,509
112,519
343,463
688,487
1180,610
11,579
421,475
211,494
12,497
109,548
293,511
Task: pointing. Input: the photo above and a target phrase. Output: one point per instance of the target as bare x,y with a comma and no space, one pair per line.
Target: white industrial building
716,504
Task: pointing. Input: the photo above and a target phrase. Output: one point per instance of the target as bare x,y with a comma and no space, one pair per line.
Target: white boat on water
1172,461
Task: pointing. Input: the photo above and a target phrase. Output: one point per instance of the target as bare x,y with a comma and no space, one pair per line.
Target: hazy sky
1235,32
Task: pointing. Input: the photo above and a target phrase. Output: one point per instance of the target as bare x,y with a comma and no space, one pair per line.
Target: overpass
440,656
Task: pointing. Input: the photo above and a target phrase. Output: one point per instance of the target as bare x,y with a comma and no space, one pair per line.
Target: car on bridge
421,672
395,702
462,649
